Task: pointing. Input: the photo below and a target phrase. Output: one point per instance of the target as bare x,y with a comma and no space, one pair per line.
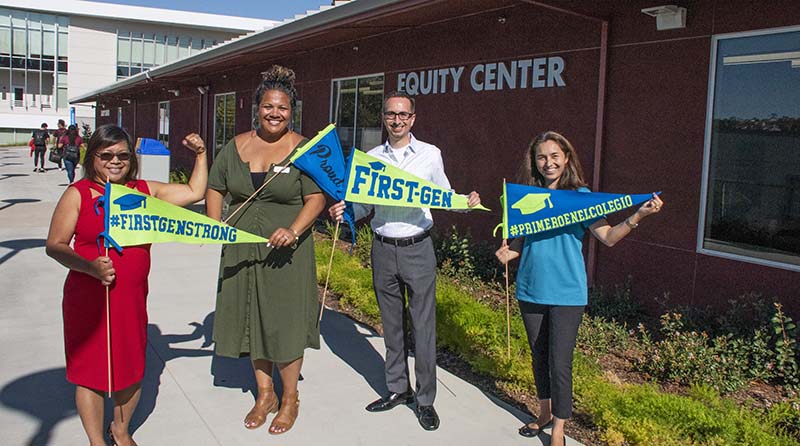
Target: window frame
163,137
331,111
214,149
704,186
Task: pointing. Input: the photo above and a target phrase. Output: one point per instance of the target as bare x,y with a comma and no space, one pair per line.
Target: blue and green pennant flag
532,210
321,158
134,218
372,181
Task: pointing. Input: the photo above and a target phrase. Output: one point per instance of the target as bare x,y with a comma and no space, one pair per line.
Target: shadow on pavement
12,201
18,245
6,176
345,341
45,396
48,397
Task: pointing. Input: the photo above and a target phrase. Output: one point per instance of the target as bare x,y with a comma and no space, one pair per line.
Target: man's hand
337,210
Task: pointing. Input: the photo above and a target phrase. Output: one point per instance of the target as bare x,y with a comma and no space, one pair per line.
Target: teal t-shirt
552,270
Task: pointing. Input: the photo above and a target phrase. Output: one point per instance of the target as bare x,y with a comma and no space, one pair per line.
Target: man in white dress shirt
404,264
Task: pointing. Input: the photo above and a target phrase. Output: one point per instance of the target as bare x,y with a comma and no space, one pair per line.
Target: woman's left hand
651,206
282,237
194,142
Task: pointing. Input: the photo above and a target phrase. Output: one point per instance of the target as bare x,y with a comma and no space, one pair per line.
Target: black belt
402,241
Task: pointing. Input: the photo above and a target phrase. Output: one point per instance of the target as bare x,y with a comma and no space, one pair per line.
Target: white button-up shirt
421,159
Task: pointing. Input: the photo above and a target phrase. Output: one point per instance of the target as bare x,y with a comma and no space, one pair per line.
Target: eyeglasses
108,156
403,116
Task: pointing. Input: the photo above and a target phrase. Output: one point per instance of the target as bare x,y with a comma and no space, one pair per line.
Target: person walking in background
73,241
57,134
267,303
70,147
40,137
404,263
551,280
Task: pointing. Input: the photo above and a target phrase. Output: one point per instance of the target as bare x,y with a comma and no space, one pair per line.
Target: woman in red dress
78,216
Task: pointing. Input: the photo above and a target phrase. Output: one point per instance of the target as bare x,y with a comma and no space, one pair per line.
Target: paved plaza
190,396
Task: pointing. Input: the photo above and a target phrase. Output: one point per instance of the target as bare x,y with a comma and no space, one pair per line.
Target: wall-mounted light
127,101
202,89
667,16
355,47
501,20
176,92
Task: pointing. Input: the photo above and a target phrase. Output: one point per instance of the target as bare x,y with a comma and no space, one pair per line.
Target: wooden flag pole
508,317
108,333
330,265
274,174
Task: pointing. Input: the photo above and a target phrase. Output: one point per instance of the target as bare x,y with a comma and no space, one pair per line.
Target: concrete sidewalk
190,396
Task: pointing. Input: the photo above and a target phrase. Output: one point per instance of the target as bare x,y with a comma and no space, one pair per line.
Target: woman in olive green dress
267,294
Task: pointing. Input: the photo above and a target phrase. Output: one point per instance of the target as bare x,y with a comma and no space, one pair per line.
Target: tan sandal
264,406
283,422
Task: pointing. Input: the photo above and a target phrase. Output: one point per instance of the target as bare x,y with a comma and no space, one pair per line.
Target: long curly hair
571,179
277,78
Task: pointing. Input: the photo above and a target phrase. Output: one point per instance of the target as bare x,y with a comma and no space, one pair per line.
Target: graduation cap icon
532,203
377,165
130,202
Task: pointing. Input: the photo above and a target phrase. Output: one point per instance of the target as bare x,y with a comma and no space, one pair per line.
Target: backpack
39,137
72,153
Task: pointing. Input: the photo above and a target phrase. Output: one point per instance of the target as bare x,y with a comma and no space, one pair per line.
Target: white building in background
52,50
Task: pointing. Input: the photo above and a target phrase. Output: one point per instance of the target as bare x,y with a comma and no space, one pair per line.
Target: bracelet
631,225
201,150
296,235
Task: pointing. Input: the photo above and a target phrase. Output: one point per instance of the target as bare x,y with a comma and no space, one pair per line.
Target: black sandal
528,431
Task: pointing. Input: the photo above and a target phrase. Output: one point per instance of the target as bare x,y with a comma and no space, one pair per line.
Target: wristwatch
630,224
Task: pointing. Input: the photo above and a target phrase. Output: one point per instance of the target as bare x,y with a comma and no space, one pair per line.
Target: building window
752,182
163,123
138,52
224,119
356,105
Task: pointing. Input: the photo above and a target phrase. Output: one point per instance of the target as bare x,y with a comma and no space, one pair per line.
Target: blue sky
264,9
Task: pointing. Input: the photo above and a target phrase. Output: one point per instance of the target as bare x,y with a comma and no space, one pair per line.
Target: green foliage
598,336
461,258
625,415
786,351
179,176
363,247
618,306
736,353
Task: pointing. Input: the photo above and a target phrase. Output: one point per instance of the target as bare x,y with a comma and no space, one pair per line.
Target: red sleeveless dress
84,304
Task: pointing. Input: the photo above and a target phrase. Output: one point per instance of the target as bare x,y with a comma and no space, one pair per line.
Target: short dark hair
400,94
277,78
61,122
44,124
106,136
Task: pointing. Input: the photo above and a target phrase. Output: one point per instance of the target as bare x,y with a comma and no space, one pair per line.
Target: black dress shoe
428,418
390,401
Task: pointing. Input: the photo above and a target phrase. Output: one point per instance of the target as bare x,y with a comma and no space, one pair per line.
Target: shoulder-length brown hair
572,178
106,136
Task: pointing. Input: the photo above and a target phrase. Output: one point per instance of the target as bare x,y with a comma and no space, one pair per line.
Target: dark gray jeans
411,271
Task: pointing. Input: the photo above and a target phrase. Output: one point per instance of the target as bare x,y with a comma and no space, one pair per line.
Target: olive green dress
266,298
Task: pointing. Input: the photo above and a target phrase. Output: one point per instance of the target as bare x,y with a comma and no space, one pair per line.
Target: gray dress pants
409,270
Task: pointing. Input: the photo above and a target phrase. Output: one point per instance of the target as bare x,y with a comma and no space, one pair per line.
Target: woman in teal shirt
551,281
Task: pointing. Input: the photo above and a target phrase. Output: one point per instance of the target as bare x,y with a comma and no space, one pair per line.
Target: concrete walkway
190,396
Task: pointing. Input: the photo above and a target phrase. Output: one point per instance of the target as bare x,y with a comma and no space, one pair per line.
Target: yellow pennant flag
133,218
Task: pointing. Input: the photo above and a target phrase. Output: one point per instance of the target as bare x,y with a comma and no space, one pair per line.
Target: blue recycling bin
153,160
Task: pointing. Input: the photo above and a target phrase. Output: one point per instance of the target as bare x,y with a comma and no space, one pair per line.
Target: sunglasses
108,156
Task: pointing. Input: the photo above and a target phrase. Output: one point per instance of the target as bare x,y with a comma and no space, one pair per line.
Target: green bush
624,414
179,176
